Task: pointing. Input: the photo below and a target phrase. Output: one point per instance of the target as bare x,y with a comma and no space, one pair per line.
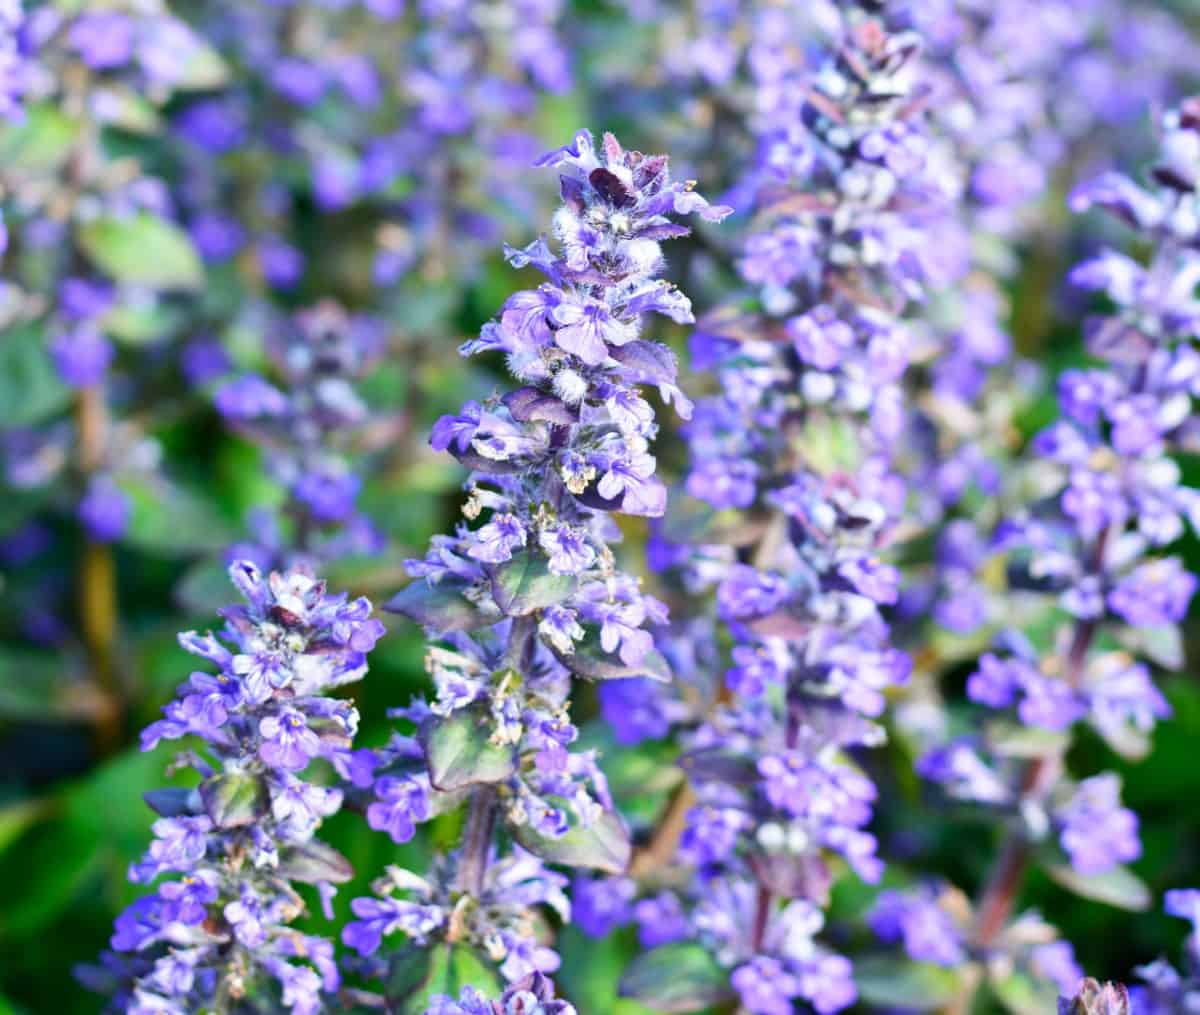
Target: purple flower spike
226,904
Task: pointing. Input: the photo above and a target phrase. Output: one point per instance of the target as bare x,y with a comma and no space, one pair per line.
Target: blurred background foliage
71,814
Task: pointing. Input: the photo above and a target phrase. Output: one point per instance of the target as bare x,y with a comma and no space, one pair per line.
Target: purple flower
496,541
250,397
629,479
567,550
1185,904
1094,500
928,932
82,355
298,81
217,237
599,905
204,360
105,510
187,900
329,496
1056,962
660,920
997,681
724,483
179,845
399,805
103,41
746,592
282,264
588,329
711,833
246,917
1154,594
804,787
1095,830
525,957
216,125
755,668
1050,703
820,338
766,987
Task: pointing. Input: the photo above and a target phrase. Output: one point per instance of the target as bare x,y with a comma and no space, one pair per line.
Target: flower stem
98,579
1003,884
477,840
485,803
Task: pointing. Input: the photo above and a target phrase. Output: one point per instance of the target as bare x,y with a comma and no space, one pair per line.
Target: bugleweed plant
840,665
532,600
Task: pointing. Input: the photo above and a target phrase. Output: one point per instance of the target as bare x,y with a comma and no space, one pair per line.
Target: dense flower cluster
306,433
801,440
533,595
420,119
217,928
1099,496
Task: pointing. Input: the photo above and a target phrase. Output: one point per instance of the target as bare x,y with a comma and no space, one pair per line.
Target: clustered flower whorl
216,929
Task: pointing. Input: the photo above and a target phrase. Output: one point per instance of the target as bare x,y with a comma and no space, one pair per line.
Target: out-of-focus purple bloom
1095,830
105,510
82,355
599,905
927,930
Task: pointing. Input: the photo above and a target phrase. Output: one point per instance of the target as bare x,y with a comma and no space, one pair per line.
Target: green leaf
440,608
312,862
901,983
830,444
173,520
139,324
1021,994
204,587
34,894
679,977
39,686
16,818
30,389
202,70
124,108
1162,645
142,249
98,827
416,976
591,661
233,799
1118,887
603,845
39,143
1012,740
591,971
460,753
524,584
408,970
